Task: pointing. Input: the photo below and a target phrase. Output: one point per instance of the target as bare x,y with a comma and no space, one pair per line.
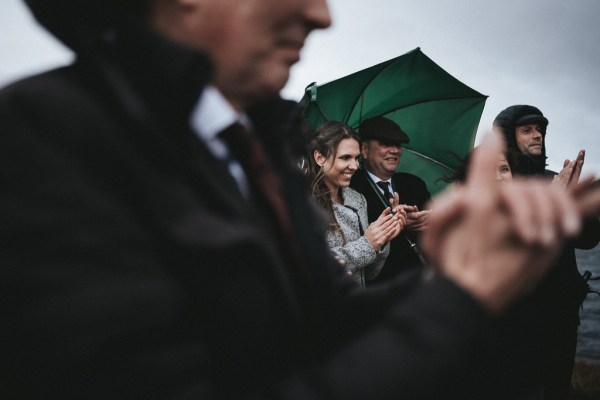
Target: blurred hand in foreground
498,241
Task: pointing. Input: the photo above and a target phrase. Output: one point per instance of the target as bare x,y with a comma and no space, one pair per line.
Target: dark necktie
388,195
261,176
265,183
386,191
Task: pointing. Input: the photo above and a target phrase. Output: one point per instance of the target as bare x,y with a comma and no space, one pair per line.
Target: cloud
25,47
540,52
536,52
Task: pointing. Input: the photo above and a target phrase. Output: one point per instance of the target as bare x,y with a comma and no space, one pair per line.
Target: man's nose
316,13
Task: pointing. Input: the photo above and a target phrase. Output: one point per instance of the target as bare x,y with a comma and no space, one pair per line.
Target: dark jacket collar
169,76
136,59
154,77
528,166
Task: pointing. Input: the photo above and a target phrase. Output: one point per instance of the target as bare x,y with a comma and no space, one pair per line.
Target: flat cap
383,129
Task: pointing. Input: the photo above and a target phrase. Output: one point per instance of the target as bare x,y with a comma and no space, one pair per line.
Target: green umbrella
439,113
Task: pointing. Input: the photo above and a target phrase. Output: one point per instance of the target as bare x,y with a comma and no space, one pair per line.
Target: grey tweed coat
349,244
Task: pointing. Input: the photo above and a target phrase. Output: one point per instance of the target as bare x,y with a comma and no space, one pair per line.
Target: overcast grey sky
544,53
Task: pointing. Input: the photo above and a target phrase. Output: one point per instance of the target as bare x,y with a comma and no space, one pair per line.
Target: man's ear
364,150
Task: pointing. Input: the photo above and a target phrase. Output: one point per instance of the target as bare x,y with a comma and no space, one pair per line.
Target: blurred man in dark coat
158,241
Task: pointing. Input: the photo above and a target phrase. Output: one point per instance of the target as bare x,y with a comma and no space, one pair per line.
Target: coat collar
351,198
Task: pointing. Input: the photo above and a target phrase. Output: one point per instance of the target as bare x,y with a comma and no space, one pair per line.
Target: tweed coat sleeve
348,242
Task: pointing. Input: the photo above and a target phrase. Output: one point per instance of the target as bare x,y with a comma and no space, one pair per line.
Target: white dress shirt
211,115
375,179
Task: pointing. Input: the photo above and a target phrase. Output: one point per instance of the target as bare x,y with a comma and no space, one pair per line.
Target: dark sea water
588,343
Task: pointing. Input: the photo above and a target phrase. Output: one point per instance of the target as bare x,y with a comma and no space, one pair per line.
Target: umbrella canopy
438,112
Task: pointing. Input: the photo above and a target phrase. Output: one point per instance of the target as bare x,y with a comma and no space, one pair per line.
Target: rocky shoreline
585,382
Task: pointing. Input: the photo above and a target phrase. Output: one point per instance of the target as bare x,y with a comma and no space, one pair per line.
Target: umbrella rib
429,158
364,88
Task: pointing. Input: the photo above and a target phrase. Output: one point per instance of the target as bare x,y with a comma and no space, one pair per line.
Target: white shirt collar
376,179
211,115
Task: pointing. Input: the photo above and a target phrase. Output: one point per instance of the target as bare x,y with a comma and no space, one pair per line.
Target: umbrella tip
312,88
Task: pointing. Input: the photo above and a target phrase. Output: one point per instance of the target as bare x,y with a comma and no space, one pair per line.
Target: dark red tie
266,184
257,166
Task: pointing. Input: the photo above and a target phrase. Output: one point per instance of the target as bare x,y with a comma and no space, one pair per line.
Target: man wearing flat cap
377,180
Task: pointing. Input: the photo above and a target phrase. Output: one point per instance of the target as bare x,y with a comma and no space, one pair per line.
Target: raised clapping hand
415,220
386,227
571,171
498,241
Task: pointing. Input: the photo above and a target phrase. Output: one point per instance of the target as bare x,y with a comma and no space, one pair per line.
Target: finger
402,217
401,226
567,217
389,231
564,176
578,166
421,215
410,209
395,201
386,212
566,162
548,205
587,196
589,203
448,208
383,217
541,214
576,172
571,168
481,182
387,223
568,169
519,211
584,184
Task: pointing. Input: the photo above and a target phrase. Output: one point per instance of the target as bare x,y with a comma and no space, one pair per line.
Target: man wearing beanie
545,334
377,180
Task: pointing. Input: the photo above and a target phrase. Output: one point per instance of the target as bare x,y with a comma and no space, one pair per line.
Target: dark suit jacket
131,269
412,191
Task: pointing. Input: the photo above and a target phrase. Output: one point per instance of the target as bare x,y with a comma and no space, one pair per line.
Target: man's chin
392,168
261,88
535,153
